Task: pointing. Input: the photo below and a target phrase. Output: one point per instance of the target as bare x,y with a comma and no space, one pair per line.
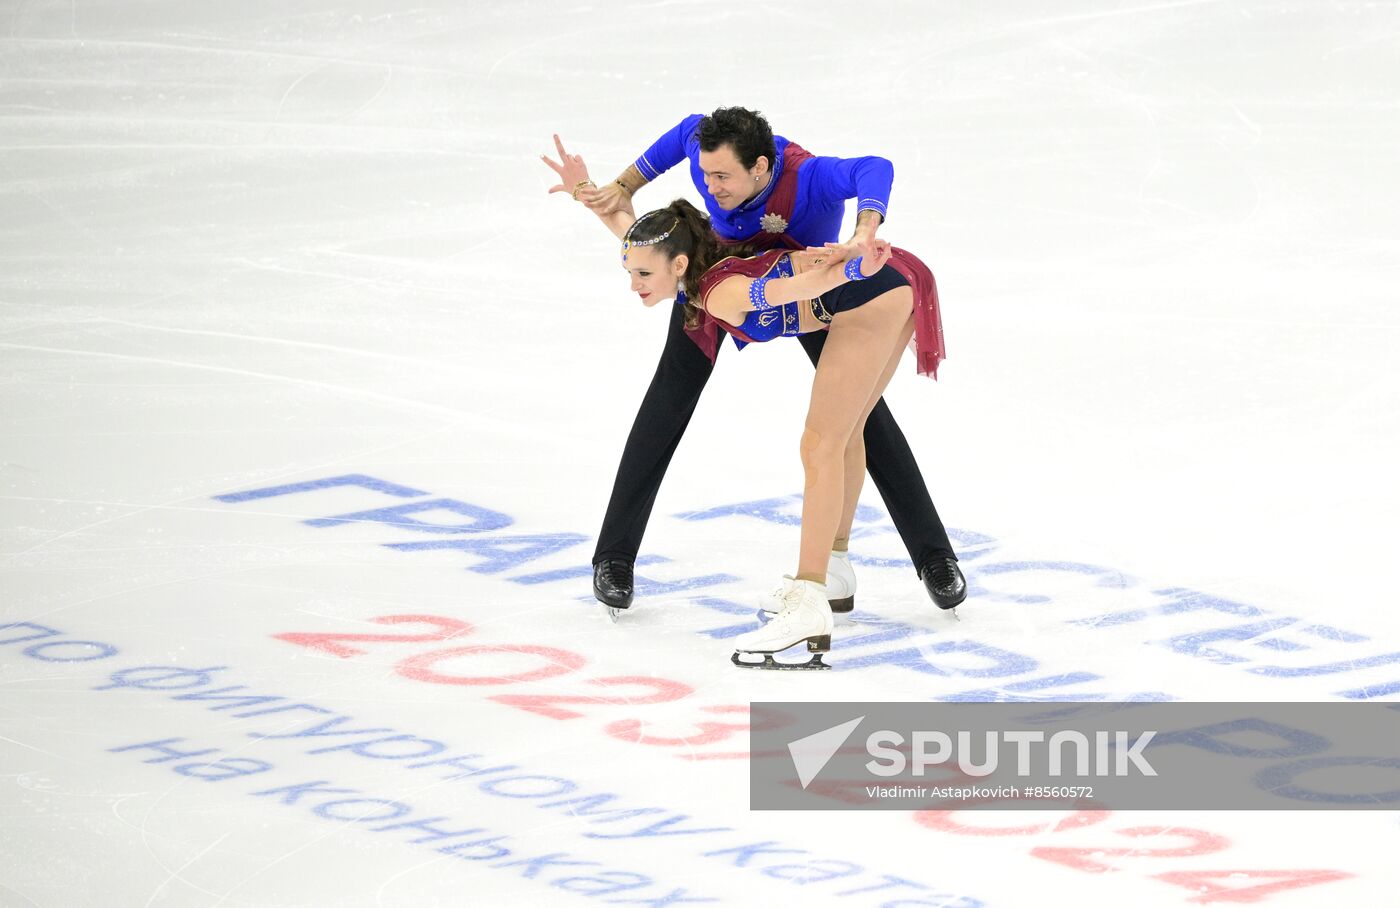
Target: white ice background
252,244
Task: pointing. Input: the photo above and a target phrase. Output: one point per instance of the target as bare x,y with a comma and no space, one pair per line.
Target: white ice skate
840,587
805,617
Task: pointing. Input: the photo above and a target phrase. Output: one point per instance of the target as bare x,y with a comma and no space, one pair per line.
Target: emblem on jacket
773,223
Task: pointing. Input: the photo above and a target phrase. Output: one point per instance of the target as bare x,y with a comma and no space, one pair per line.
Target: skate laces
789,615
783,597
784,591
793,596
944,573
618,573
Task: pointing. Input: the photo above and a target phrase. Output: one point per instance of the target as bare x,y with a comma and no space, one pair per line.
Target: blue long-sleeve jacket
823,186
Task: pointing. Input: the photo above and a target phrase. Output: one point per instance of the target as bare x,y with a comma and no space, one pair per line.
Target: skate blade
814,664
614,612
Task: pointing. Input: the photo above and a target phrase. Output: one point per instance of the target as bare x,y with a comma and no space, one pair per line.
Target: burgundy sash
927,342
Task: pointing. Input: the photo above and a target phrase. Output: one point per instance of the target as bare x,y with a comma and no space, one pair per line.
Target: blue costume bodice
780,321
766,324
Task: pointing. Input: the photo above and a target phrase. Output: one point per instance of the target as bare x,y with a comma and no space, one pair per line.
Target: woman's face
654,277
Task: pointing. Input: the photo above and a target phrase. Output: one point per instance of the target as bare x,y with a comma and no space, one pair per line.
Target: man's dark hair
742,129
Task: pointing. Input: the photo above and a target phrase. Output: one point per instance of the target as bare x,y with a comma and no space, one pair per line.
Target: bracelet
758,297
579,185
853,269
624,187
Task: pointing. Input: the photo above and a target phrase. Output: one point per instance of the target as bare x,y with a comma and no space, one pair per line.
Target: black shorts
854,294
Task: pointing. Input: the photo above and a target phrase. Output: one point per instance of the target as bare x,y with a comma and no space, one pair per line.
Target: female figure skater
867,295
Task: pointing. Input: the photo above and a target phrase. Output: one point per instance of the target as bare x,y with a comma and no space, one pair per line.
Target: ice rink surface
267,246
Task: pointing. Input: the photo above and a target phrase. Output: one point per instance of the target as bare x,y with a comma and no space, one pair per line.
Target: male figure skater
760,189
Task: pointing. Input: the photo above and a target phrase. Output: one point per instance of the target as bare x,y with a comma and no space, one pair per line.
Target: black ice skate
944,581
612,585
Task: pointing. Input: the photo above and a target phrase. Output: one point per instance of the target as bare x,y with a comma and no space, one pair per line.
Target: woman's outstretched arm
733,298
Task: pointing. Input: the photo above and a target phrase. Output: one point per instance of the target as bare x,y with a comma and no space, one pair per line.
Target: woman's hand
873,253
817,257
835,252
571,171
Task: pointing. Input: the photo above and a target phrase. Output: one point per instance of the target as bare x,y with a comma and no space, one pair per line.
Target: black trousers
666,410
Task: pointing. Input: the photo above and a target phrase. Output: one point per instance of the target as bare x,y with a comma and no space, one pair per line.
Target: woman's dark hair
743,129
685,231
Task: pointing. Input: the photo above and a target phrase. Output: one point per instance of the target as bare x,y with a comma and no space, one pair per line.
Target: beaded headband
628,242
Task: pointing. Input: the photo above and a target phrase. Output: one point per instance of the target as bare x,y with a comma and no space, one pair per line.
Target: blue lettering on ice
997,662
352,479
645,586
1195,644
1033,690
377,742
577,572
785,510
1105,577
1329,668
1260,633
727,607
1178,601
642,585
1216,738
498,553
1281,644
482,520
55,649
1372,691
985,661
1280,780
966,540
349,805
494,554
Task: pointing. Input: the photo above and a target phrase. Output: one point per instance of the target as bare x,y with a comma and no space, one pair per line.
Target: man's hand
874,255
617,195
867,222
605,200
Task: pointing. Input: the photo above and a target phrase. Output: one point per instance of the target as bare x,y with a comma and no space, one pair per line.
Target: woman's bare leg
853,361
855,447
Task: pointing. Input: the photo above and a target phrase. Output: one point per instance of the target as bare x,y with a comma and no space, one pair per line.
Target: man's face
730,182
